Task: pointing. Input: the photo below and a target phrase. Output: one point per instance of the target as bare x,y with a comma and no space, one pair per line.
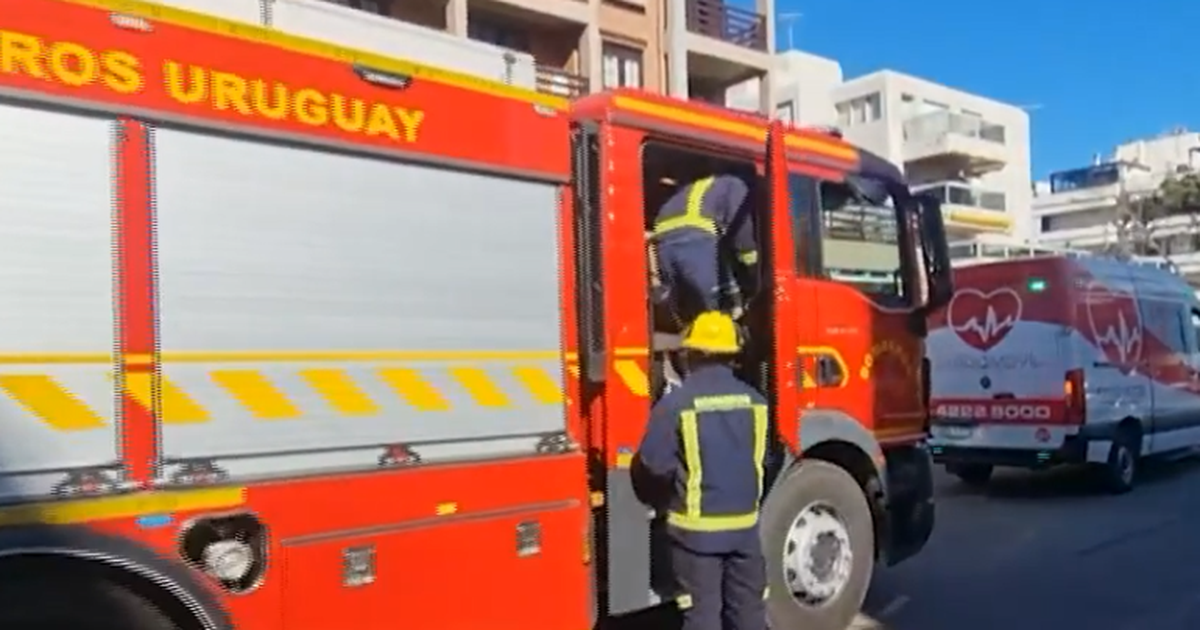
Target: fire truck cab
851,263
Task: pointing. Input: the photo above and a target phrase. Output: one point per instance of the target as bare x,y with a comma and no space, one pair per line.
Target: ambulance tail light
1074,397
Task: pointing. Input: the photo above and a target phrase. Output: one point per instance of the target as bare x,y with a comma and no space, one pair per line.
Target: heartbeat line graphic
1121,336
990,327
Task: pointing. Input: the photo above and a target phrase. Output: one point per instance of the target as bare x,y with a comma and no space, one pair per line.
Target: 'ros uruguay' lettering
75,65
1016,411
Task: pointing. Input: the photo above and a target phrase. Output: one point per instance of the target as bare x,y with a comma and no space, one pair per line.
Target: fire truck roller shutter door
56,276
315,298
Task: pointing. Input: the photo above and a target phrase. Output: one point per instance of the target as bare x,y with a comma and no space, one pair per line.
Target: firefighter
700,227
704,450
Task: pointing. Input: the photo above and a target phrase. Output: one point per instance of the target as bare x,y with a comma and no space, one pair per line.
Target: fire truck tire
974,475
45,598
819,540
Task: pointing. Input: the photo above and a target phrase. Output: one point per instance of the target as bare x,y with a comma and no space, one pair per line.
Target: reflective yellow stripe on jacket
692,518
691,217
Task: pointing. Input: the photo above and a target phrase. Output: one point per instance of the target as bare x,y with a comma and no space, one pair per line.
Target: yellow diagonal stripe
177,406
414,389
480,386
573,370
50,402
539,383
340,391
634,377
255,392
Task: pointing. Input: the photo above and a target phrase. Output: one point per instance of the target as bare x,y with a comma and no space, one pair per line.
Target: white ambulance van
1052,360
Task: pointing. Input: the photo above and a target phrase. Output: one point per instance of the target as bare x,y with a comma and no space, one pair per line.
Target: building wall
1077,208
885,133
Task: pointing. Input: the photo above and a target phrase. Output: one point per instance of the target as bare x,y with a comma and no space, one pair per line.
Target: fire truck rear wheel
48,597
819,540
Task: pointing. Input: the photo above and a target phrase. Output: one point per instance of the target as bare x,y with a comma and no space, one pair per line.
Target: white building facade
1077,208
970,151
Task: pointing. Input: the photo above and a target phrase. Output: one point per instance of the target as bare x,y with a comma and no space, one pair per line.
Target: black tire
54,595
1119,473
817,482
974,475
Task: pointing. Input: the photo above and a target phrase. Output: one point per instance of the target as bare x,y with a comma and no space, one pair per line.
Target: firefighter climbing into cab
701,462
703,246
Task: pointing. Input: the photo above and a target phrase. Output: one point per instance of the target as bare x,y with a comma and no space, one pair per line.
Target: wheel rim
817,556
1125,464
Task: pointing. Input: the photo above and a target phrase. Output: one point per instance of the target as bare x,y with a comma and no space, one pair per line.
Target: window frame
622,54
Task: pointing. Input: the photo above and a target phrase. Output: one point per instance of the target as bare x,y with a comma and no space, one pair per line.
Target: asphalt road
1048,551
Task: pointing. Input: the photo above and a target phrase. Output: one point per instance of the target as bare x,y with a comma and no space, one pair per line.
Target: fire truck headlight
228,560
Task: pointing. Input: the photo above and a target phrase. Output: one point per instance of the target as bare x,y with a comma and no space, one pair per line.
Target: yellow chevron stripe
50,402
256,393
414,389
340,391
333,389
634,377
480,386
539,383
176,406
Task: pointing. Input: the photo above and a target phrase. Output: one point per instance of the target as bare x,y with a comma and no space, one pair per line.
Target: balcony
727,23
725,44
559,82
970,210
955,143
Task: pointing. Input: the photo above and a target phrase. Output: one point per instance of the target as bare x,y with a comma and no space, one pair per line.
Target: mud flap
639,572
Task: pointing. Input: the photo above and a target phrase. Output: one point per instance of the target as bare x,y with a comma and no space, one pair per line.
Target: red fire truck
299,337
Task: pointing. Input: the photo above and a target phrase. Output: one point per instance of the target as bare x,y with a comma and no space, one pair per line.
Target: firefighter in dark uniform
705,443
700,227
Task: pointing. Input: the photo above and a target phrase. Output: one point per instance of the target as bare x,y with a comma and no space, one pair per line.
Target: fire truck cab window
848,232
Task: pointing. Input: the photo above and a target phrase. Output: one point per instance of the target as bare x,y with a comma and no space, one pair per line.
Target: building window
874,106
786,111
484,30
378,7
622,66
860,111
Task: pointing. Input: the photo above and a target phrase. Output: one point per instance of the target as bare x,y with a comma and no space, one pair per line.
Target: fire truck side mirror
936,251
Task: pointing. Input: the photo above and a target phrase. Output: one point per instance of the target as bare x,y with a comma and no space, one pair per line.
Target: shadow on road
1064,482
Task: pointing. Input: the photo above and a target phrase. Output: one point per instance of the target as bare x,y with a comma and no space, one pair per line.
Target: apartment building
970,151
692,49
1077,208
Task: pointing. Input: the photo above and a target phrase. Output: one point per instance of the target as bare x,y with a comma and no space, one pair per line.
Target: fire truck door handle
829,373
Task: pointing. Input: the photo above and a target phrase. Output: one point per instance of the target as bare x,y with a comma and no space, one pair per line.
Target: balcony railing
738,26
929,126
963,195
559,82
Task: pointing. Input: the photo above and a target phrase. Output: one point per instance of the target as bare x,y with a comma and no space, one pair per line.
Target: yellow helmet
713,332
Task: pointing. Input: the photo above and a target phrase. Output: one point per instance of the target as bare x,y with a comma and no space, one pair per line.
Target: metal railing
933,124
951,193
716,19
559,82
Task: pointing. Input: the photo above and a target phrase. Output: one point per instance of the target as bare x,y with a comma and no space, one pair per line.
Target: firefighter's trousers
688,267
721,591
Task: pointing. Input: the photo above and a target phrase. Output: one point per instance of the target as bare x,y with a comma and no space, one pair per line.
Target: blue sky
1102,71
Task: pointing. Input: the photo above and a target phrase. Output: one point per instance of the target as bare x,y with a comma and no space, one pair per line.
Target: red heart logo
983,320
1116,325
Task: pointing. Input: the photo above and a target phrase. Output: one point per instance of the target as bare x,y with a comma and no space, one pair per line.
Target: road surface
1048,552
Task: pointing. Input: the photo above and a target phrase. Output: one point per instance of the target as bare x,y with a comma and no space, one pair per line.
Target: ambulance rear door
998,353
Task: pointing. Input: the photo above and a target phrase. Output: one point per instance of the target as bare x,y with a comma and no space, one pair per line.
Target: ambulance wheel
974,475
46,597
819,540
1119,473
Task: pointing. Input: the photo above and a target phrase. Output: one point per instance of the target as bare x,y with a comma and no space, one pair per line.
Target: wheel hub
817,557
